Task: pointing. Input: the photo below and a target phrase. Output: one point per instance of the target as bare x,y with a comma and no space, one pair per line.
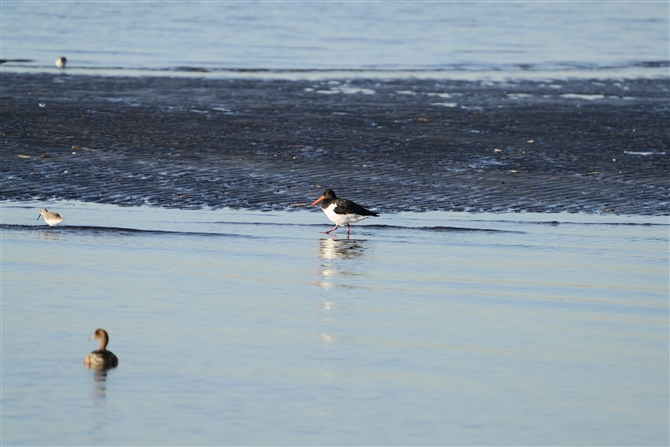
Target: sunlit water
452,39
237,327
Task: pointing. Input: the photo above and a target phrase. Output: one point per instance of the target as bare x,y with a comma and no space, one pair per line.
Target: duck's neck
103,343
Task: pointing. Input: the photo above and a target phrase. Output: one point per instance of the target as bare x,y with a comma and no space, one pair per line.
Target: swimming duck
102,358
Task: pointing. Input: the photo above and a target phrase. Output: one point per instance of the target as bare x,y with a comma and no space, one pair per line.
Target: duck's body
342,211
50,217
61,62
102,358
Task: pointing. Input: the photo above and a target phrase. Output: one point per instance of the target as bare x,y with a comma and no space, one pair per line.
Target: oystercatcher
341,211
61,61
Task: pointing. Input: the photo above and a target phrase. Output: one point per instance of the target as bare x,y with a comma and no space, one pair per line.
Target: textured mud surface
576,146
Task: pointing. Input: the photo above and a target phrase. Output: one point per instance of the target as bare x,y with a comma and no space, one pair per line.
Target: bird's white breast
52,219
341,219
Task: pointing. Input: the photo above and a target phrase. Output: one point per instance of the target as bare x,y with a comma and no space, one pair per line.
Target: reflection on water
342,249
48,236
98,397
99,385
332,250
326,306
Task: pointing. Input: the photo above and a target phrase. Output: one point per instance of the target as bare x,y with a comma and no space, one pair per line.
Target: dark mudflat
390,145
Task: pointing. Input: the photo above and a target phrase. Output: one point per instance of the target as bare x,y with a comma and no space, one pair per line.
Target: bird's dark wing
344,206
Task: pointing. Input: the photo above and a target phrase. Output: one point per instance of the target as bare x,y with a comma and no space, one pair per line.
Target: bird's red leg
348,229
332,229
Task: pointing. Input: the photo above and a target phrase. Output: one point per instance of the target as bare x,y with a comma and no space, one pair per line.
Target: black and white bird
341,211
61,62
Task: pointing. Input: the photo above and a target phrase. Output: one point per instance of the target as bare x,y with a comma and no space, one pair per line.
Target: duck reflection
333,250
99,401
99,384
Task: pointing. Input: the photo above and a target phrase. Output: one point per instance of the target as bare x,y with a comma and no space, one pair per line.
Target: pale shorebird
341,211
61,61
50,217
102,358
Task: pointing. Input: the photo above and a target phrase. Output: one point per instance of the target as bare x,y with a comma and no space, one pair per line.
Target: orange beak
318,200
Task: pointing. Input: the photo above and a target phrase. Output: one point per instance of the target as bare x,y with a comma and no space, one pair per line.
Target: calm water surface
466,38
236,327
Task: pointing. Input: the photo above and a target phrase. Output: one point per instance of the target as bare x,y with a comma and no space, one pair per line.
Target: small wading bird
61,61
341,211
50,217
102,358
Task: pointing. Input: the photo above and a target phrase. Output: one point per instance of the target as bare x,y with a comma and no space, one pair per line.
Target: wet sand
403,145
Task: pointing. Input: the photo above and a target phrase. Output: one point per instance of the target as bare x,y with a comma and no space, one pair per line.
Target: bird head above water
103,338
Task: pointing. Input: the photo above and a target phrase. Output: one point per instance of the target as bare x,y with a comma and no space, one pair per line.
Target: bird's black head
329,194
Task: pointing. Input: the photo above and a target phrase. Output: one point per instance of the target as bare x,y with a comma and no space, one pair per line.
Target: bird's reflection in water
331,251
48,236
333,248
99,384
98,396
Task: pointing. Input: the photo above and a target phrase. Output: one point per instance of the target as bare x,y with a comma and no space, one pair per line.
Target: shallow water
240,327
453,39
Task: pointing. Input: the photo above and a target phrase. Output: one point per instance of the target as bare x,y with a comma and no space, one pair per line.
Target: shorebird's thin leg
332,229
348,229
